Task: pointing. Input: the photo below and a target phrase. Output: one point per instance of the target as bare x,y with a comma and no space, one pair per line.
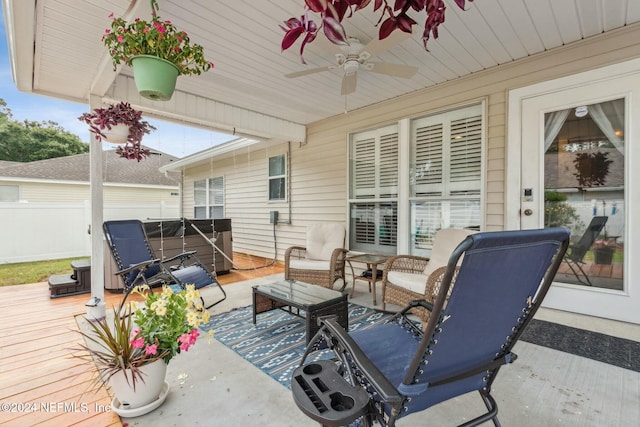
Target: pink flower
134,333
159,27
185,342
138,343
120,39
151,349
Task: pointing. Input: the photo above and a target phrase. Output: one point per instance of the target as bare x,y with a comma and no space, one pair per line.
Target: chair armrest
296,252
434,281
343,343
182,257
141,265
404,263
338,257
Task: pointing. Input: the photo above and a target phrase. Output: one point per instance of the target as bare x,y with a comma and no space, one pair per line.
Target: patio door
580,170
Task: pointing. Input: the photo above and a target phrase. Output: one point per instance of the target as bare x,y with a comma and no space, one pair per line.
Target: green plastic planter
155,77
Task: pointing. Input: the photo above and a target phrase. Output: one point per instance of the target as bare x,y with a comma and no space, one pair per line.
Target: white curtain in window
605,125
552,126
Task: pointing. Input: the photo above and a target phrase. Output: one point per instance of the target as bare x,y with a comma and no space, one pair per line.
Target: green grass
33,272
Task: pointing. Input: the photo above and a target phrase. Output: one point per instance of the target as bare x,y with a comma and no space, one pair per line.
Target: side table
372,262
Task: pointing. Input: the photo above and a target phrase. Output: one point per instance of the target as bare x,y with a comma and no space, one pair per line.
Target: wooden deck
41,383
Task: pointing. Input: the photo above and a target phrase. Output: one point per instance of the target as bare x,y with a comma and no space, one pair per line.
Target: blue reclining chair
137,264
394,369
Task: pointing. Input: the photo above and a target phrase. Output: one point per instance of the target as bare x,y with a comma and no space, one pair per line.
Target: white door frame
619,305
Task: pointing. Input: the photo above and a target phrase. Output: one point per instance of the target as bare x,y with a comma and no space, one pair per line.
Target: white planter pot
147,391
118,134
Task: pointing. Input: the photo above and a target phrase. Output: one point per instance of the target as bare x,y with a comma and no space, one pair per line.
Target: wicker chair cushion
322,239
309,264
410,281
444,242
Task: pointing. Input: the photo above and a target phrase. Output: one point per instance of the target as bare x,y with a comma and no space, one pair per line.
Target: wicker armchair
410,277
321,262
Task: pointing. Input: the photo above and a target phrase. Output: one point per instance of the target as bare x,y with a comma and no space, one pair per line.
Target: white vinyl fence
42,231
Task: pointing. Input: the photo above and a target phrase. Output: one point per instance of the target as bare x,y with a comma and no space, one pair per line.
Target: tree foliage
27,141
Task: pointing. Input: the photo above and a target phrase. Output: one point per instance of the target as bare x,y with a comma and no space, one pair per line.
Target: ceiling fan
355,57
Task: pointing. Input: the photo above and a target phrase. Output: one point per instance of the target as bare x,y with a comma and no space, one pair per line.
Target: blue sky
169,138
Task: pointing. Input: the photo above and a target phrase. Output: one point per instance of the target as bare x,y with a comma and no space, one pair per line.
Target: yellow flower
161,310
192,319
166,291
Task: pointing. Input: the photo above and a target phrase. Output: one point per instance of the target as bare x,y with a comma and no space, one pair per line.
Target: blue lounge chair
137,263
389,371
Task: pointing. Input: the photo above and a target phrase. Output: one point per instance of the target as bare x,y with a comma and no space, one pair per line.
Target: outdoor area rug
276,343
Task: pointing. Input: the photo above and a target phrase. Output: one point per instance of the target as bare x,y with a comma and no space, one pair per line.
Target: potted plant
132,350
333,12
603,251
157,51
120,123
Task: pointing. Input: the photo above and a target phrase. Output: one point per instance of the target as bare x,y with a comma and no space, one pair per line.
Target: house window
277,178
439,160
208,195
445,174
9,193
373,192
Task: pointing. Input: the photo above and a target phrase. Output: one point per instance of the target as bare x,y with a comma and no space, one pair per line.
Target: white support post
96,308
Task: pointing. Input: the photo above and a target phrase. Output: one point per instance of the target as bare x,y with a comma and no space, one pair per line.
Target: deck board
36,358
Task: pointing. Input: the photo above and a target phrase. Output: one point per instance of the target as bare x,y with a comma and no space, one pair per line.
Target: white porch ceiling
60,53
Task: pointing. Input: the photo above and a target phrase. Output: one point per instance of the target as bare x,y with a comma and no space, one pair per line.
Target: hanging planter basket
118,134
155,77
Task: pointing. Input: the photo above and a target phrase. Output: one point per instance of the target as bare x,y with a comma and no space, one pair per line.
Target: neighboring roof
76,168
4,163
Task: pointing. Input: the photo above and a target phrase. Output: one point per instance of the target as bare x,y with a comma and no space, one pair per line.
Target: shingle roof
76,168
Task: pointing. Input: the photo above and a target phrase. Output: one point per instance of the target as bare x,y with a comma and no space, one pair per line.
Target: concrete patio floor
213,386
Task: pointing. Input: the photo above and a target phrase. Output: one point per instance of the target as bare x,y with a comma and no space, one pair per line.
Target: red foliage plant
333,12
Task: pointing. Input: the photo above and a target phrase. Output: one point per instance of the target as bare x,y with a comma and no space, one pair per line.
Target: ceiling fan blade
396,70
376,46
310,71
349,82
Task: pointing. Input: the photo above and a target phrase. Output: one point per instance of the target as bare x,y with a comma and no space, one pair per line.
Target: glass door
579,169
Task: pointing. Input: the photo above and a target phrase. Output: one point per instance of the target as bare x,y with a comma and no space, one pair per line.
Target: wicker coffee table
296,297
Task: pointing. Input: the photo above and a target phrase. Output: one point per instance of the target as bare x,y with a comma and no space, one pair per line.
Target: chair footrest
322,393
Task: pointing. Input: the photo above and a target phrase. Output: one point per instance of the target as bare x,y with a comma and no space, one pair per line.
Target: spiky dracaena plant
109,345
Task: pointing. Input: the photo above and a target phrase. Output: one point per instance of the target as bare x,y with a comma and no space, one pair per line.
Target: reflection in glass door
584,190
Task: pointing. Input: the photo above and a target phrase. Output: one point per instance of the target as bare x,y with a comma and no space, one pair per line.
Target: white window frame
214,197
282,176
451,194
373,190
403,192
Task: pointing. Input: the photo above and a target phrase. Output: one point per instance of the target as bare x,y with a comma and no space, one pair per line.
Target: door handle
528,212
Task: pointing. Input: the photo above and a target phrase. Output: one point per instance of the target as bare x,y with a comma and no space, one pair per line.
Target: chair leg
492,413
575,273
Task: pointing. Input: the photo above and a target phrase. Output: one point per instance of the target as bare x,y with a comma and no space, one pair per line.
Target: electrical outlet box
273,217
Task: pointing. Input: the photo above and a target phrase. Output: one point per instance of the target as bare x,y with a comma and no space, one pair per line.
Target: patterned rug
276,343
